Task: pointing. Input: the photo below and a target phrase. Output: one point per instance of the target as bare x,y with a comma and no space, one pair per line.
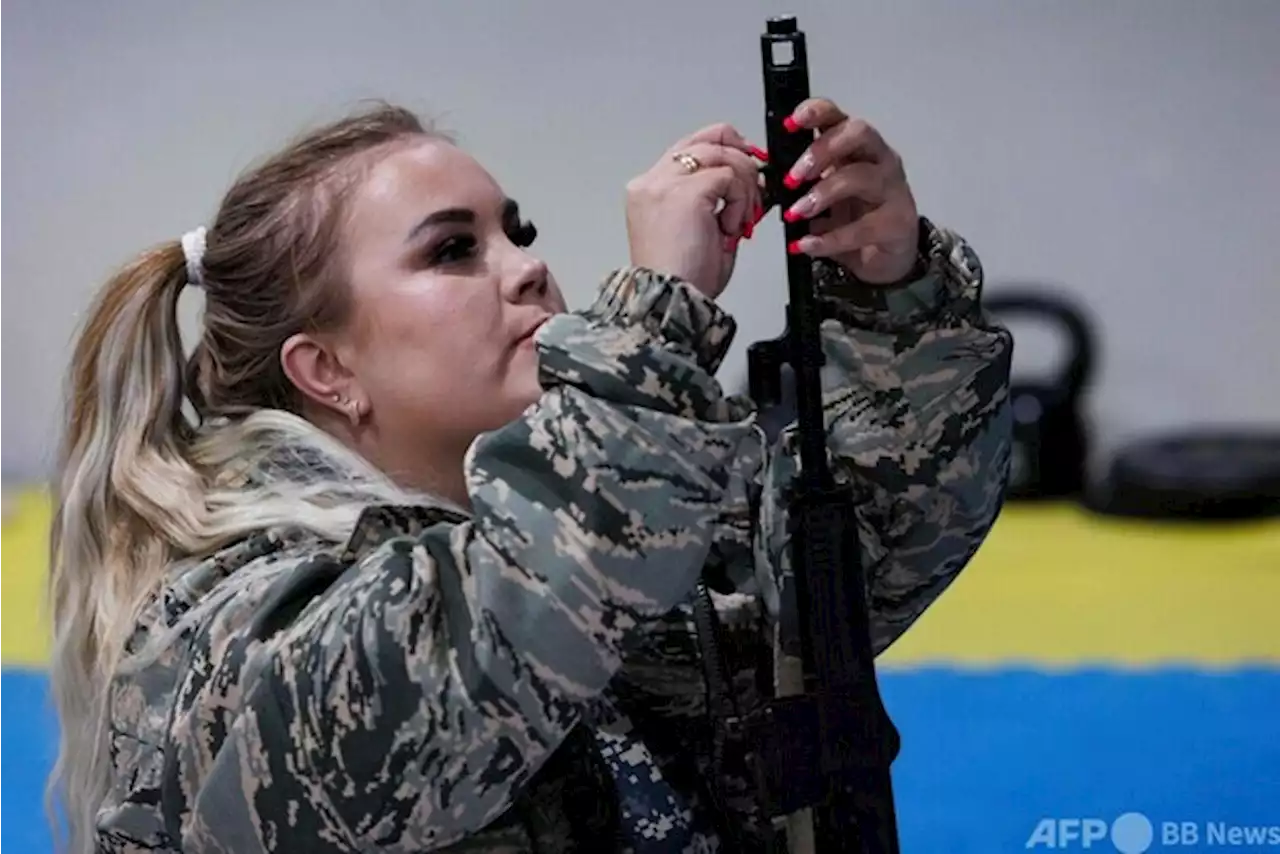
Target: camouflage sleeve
404,706
915,393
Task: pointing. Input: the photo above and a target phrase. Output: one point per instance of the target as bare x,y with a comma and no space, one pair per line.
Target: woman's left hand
872,226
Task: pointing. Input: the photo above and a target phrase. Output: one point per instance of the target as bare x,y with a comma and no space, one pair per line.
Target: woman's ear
316,370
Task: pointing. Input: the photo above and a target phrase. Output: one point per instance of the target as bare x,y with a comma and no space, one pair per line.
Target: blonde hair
153,440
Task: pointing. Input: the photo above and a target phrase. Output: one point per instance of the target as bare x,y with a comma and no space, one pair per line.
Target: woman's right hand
675,221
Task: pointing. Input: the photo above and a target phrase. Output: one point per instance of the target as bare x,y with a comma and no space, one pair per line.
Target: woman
417,574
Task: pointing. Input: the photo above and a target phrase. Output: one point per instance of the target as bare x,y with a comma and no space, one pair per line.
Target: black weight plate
1223,474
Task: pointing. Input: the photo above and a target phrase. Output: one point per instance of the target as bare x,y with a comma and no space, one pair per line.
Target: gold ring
688,161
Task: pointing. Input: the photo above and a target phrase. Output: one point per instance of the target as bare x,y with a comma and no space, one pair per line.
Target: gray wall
1125,151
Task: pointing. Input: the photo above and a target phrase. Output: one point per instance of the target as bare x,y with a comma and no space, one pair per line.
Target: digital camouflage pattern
527,678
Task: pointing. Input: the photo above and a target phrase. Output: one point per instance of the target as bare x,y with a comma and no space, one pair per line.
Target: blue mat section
28,746
986,757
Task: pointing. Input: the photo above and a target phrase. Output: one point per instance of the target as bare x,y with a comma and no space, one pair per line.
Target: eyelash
524,234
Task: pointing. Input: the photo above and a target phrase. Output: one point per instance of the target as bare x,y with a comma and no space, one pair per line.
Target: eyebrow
465,216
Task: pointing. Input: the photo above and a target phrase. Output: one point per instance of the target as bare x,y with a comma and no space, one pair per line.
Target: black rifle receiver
839,724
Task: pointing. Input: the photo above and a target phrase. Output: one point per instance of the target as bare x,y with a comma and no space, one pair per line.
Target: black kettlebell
1050,438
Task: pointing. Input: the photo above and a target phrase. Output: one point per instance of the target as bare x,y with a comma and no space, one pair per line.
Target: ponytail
127,500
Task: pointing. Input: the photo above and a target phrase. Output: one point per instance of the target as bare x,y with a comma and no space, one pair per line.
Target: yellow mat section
24,543
1053,586
1059,586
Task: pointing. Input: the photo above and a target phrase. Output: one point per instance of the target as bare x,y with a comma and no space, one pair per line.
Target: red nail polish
792,216
757,214
791,182
758,153
794,248
749,230
791,124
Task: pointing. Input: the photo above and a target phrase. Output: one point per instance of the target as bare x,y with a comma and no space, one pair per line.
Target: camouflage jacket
525,678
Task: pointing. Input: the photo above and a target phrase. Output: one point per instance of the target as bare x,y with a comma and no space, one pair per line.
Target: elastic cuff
670,308
948,289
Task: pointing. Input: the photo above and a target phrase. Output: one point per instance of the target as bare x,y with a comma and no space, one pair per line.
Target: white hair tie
193,251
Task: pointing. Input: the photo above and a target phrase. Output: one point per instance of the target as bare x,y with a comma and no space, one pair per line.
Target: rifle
831,747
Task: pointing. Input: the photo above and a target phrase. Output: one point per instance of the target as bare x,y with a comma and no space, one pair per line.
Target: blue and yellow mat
1081,670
